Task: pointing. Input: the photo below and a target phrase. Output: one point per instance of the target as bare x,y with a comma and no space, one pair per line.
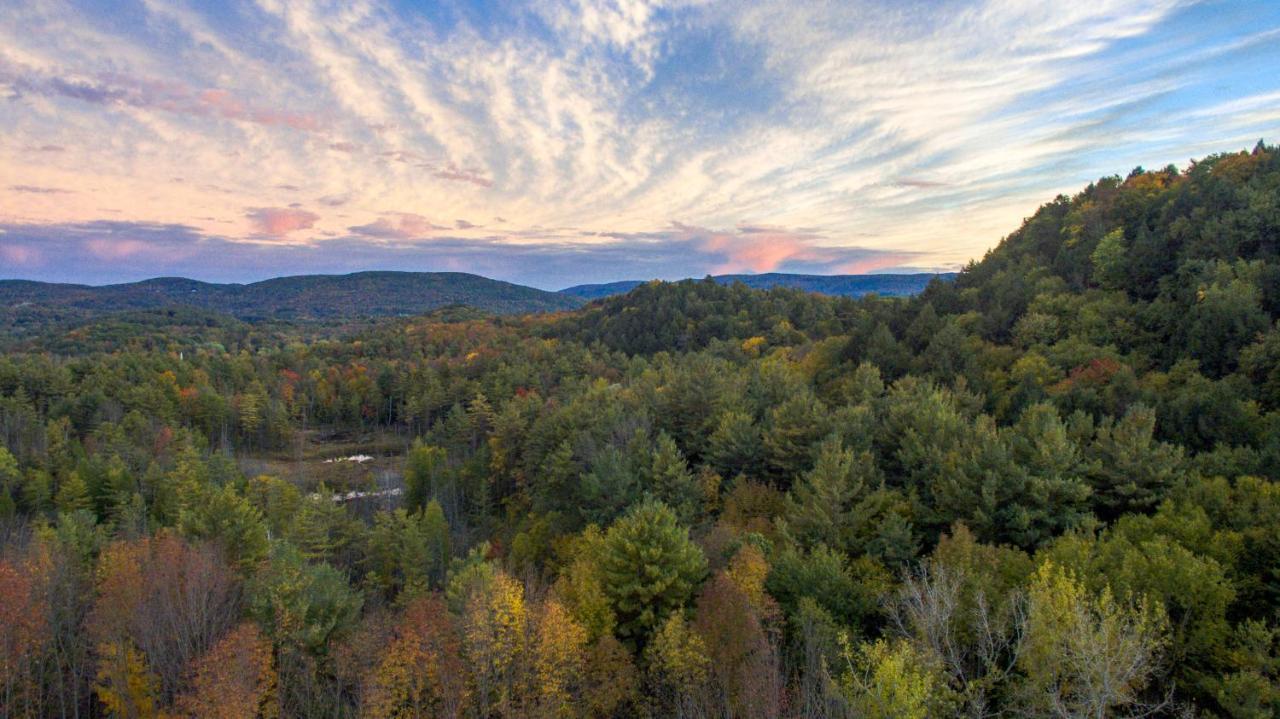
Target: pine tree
671,481
650,569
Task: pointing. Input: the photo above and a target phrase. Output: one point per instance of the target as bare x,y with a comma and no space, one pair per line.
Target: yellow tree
891,680
126,687
494,644
559,646
678,667
581,584
421,674
1087,654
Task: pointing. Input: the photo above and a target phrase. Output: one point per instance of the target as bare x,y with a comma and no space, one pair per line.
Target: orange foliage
22,631
421,674
233,680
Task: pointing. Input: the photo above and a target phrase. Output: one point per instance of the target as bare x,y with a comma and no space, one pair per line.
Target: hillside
307,297
888,285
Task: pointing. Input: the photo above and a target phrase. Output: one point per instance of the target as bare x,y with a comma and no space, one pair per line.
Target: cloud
37,190
280,221
397,226
19,255
472,176
169,96
109,248
784,135
125,250
762,248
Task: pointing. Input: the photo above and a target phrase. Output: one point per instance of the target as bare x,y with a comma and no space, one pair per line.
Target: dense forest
1047,488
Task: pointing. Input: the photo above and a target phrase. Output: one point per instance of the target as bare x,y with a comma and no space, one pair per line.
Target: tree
24,616
421,673
126,687
671,481
650,569
678,668
559,660
164,600
890,680
1110,270
962,611
612,683
581,584
8,482
794,428
735,445
223,516
423,475
235,679
820,507
743,657
302,606
494,643
1131,471
1086,654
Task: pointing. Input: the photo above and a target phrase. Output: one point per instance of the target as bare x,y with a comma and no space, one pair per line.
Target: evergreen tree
650,569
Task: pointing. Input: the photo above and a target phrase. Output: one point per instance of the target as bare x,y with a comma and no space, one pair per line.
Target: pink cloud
19,255
224,104
113,249
764,248
397,226
752,249
280,221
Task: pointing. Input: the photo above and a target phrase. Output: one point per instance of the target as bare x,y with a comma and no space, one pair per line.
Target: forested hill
363,294
895,285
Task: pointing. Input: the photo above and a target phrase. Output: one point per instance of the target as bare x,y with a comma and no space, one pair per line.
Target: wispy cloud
834,136
37,190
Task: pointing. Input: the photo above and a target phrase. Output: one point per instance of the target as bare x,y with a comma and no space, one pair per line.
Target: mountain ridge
893,285
373,293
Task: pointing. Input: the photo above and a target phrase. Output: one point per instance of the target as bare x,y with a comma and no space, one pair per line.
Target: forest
1044,488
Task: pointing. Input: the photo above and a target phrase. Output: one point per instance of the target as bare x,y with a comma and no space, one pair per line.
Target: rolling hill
308,297
839,285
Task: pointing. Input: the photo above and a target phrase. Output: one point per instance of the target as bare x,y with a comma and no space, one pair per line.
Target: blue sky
552,143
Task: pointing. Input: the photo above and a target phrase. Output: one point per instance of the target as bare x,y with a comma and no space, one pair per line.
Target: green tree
1110,268
423,475
735,445
650,569
302,606
222,515
1131,471
671,481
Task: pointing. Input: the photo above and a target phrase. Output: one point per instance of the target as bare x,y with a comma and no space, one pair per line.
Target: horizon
157,278
580,142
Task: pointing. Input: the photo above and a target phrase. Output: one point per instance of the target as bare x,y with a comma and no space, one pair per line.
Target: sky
558,142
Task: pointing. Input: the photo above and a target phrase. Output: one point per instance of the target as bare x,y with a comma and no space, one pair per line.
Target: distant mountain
319,297
839,285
